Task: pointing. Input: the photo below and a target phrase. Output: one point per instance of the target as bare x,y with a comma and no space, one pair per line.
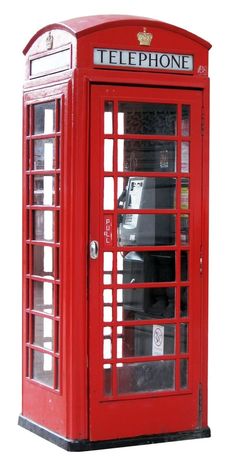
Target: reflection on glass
147,118
184,225
146,340
43,297
146,376
108,155
185,120
184,295
107,377
44,157
145,303
44,118
43,332
43,225
43,369
183,373
139,267
146,229
185,157
108,194
144,155
43,261
145,193
184,266
108,117
44,190
184,338
184,205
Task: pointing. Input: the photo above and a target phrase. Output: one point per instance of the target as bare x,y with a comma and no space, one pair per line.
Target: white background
215,22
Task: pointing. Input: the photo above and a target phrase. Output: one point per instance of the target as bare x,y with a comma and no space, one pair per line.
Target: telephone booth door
145,289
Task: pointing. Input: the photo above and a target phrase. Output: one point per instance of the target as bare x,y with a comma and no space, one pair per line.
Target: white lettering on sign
143,59
158,332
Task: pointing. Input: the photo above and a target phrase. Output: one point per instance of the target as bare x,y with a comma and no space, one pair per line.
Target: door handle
94,249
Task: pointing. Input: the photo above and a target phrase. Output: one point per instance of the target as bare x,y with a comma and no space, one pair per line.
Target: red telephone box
115,238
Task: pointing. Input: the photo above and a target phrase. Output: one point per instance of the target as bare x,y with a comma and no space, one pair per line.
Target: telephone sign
146,60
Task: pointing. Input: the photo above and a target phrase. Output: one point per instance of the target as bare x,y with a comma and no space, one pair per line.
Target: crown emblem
144,37
49,41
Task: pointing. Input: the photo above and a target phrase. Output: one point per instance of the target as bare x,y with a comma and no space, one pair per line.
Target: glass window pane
43,298
107,267
146,340
185,120
184,295
107,348
145,303
44,155
107,296
108,117
107,279
145,193
43,369
108,155
184,338
184,224
43,261
51,63
146,376
44,190
107,314
108,194
139,267
43,332
183,373
146,229
107,261
44,118
185,157
184,266
147,118
144,155
43,225
107,376
184,194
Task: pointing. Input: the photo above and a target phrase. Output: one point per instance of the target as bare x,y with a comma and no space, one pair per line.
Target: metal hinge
200,405
203,121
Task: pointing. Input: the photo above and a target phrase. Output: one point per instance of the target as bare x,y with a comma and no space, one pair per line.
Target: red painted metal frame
67,411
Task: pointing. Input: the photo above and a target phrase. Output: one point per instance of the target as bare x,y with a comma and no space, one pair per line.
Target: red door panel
145,282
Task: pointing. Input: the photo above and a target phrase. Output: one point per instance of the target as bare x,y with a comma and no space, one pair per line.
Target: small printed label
158,340
108,238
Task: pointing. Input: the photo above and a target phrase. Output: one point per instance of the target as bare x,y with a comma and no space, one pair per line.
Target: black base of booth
86,445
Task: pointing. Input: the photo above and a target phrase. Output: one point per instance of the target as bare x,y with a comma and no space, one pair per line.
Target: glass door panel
142,218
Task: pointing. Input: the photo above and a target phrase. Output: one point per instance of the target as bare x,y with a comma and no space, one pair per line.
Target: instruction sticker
158,340
108,230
